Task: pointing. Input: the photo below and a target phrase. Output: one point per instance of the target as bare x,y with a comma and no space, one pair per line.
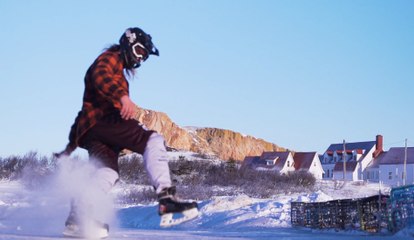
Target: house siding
361,168
371,174
348,176
289,165
328,169
316,168
392,174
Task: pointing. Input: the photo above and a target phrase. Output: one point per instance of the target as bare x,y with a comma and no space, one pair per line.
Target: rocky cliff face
224,144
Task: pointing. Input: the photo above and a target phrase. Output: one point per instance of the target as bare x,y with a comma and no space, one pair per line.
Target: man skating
106,125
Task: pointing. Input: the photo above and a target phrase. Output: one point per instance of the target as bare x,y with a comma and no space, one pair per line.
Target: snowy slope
40,215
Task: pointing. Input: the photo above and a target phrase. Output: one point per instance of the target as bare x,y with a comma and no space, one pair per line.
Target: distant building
357,156
281,162
308,162
388,167
285,162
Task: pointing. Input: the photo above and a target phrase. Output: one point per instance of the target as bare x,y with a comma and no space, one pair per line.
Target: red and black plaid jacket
105,84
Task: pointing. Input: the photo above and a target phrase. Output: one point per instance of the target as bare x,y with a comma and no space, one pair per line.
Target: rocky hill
224,144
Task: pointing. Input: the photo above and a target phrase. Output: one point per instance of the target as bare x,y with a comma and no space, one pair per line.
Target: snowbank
27,213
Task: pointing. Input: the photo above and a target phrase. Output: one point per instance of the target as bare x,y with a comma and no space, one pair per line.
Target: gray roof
251,160
274,155
352,146
396,156
261,160
350,166
280,162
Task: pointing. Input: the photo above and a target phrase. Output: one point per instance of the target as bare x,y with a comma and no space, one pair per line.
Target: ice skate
174,211
78,225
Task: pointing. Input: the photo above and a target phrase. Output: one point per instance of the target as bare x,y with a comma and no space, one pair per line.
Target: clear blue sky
301,74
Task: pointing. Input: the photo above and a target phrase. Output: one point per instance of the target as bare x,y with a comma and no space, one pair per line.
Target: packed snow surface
40,214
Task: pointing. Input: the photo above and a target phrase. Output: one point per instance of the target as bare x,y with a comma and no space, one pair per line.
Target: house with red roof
309,162
349,161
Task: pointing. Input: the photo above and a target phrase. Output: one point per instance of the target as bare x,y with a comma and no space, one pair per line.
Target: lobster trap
401,208
368,214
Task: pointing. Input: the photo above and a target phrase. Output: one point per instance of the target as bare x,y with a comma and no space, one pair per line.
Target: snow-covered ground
40,214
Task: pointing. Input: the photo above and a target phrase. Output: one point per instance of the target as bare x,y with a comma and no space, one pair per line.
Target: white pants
156,162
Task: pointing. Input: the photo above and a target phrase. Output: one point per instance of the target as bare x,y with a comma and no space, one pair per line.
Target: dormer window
270,162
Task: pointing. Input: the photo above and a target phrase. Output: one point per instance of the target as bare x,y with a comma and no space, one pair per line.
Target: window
288,163
389,175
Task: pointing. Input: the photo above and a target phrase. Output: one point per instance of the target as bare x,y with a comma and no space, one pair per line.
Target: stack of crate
401,208
368,214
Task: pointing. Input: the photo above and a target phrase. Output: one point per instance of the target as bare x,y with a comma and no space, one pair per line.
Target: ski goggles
137,50
137,53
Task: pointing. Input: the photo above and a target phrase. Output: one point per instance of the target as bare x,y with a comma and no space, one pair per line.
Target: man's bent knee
155,141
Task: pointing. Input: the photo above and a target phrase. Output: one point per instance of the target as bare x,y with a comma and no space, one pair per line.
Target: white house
282,162
357,156
309,162
372,171
389,167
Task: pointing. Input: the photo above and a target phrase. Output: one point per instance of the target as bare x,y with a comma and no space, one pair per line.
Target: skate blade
76,232
167,220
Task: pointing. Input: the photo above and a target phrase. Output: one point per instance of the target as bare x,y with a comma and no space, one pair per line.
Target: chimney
379,146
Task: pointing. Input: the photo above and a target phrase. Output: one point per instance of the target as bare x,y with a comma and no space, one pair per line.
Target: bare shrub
132,169
146,195
195,179
202,179
37,170
32,168
12,167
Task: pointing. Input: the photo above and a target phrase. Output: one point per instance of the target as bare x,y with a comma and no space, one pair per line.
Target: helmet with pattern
136,46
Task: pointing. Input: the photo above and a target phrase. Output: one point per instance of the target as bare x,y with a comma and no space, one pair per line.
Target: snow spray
87,188
43,208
